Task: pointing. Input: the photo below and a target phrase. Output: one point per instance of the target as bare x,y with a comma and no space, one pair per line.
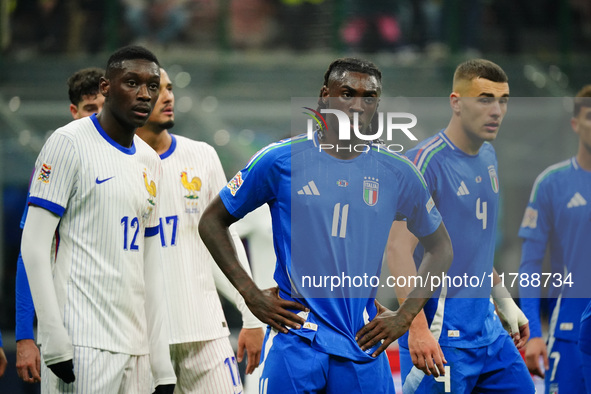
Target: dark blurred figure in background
155,22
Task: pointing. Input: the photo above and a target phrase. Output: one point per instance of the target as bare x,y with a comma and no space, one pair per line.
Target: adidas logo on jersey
462,190
309,189
576,201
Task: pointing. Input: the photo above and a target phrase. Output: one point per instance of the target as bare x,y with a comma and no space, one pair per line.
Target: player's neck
584,157
118,133
159,141
461,139
340,149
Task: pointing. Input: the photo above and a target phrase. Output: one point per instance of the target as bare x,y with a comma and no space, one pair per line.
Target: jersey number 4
481,212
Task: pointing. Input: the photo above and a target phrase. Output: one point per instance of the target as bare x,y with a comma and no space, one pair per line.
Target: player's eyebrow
367,92
484,94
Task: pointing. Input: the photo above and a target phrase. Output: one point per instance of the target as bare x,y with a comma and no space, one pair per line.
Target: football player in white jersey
100,305
85,100
192,174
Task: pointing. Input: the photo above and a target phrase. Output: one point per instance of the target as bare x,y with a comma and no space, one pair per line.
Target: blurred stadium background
236,64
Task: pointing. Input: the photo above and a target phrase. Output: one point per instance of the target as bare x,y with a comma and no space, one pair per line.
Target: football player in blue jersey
459,325
558,215
332,204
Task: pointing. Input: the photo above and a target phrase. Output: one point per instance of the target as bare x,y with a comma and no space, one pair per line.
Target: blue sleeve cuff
151,231
50,206
25,309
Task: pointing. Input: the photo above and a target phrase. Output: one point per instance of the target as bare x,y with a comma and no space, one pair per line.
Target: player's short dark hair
83,83
479,68
582,99
351,64
130,52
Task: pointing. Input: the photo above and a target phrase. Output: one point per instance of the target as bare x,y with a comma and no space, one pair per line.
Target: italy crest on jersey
44,173
192,186
371,188
494,181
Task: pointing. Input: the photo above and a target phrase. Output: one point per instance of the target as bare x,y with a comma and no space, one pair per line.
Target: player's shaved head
477,68
582,99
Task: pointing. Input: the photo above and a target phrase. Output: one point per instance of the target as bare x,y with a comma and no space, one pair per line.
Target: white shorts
206,367
99,371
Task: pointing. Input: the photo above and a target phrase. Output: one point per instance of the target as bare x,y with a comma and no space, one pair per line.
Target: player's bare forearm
436,261
266,305
214,230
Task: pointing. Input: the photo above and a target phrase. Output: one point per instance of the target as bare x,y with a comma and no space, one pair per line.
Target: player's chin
489,135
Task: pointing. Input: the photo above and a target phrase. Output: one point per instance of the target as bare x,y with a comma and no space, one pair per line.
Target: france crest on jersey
331,220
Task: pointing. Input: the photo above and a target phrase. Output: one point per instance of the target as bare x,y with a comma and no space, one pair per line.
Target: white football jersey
107,196
192,176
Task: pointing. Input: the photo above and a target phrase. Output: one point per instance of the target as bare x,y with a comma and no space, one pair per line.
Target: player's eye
485,100
131,82
370,100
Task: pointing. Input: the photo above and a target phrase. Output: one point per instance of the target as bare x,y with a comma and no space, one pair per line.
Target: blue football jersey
331,220
465,189
559,215
585,330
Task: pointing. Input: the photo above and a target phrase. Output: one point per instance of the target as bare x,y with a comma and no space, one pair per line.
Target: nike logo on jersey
576,201
462,190
99,181
309,189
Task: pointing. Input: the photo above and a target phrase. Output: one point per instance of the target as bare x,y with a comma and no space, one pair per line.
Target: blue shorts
496,368
565,374
291,365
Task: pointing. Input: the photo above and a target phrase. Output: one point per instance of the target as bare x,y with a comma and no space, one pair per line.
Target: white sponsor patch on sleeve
530,218
430,205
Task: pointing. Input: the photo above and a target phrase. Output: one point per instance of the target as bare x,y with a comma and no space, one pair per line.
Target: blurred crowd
431,26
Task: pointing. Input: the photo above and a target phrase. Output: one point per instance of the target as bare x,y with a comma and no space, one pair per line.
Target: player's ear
574,123
74,111
104,86
454,102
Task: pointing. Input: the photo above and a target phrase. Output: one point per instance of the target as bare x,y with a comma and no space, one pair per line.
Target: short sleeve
537,219
255,184
416,203
55,177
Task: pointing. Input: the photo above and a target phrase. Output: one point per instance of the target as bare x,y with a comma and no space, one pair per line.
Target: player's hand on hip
3,362
425,352
28,361
250,339
535,348
387,326
64,370
164,389
271,309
